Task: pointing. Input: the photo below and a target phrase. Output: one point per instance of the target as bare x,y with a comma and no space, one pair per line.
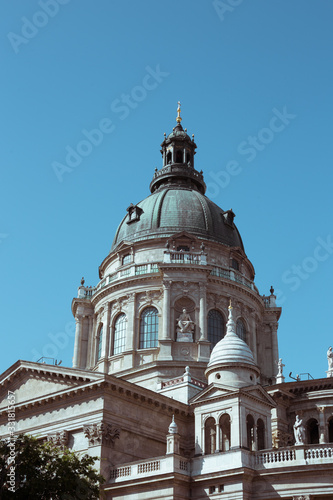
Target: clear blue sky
255,82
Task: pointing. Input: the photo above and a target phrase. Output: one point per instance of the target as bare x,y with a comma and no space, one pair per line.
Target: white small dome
233,359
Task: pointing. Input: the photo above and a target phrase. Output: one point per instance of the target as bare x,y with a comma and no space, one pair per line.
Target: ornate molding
59,438
101,434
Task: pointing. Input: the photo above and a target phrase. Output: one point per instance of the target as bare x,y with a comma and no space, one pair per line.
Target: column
166,310
203,312
131,337
77,342
90,359
323,438
253,341
275,349
218,437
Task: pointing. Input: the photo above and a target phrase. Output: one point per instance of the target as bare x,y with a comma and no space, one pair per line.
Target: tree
43,471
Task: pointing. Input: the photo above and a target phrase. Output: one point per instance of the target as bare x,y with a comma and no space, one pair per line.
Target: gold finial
179,118
230,306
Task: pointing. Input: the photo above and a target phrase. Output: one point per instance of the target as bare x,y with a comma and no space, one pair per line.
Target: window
179,157
120,327
224,433
261,434
141,269
234,264
215,327
250,432
210,436
212,489
99,343
241,330
183,248
127,259
330,430
169,157
313,431
148,328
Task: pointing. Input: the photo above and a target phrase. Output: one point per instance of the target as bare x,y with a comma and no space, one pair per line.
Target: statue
185,327
185,324
299,431
330,358
280,368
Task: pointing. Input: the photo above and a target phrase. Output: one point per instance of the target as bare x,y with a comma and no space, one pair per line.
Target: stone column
131,337
166,310
77,342
203,312
254,335
218,437
323,438
275,349
103,367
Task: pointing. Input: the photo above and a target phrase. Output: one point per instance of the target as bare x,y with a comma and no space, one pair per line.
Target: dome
231,361
173,209
231,349
178,202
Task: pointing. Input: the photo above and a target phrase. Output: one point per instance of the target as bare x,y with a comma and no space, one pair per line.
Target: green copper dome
173,209
178,201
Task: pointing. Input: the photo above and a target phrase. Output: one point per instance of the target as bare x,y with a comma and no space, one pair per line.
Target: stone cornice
124,284
101,382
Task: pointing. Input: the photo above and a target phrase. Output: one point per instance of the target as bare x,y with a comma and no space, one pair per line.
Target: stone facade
179,407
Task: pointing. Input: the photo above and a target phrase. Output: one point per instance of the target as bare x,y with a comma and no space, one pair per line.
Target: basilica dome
178,201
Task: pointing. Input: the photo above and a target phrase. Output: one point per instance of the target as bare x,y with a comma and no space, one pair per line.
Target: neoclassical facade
176,384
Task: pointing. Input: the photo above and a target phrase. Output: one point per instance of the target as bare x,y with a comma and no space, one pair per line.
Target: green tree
30,469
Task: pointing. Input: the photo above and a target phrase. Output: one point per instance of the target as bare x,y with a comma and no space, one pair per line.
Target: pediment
183,235
259,393
214,391
30,380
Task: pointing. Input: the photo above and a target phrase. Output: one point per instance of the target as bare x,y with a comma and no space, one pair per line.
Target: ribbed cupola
178,151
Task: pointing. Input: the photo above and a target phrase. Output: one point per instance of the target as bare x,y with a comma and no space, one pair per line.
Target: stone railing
160,465
296,455
179,257
232,275
274,457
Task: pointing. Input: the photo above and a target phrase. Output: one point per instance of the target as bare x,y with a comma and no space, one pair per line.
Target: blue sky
255,82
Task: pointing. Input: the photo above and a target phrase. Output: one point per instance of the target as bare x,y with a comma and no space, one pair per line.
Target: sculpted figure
185,324
280,367
330,358
299,431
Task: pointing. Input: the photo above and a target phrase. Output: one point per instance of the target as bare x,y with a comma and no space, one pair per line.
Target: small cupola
231,361
178,151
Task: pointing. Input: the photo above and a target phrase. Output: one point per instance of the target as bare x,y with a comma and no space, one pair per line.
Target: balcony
182,257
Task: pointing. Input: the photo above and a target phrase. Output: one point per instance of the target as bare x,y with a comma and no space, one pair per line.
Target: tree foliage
43,471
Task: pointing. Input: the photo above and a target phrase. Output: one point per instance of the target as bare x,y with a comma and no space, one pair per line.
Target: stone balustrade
294,456
160,465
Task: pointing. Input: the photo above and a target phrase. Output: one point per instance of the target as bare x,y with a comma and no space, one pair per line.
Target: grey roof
173,209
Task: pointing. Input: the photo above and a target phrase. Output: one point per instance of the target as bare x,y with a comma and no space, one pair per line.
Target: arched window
169,157
99,342
148,328
313,431
330,430
119,339
250,432
127,259
210,436
225,433
241,330
215,327
179,156
260,434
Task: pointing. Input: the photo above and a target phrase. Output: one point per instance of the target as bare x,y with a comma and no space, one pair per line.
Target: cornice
110,383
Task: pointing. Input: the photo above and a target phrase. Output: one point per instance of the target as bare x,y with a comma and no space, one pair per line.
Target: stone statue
280,368
185,324
330,358
299,431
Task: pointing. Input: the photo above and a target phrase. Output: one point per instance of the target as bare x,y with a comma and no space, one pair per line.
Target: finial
164,134
272,290
173,427
82,281
179,118
230,306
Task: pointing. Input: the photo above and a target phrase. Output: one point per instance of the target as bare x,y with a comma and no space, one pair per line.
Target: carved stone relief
59,438
101,433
